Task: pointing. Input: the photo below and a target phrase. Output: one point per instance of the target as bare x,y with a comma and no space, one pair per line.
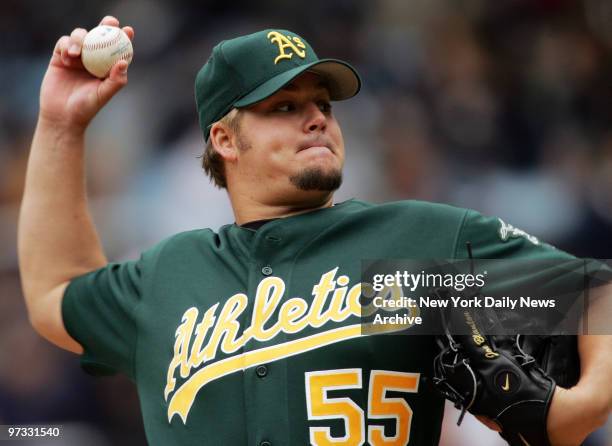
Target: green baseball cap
248,69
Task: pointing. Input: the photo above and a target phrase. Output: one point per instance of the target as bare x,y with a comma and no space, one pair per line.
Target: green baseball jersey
247,336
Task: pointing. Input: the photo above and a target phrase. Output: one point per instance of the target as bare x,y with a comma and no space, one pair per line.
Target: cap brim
342,81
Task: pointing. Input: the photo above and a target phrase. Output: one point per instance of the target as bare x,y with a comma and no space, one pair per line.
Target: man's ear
223,142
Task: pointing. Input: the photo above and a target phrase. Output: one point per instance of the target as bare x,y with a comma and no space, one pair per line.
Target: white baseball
104,46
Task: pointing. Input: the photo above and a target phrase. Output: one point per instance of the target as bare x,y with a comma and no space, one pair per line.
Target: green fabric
248,69
128,317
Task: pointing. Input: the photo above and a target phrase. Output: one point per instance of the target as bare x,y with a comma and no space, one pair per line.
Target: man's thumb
115,81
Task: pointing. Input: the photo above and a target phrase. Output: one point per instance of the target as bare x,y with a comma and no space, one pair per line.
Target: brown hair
212,162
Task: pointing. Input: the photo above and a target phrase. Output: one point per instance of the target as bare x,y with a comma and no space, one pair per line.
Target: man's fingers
62,42
109,20
119,71
60,53
115,81
67,51
56,57
76,42
129,31
64,53
489,423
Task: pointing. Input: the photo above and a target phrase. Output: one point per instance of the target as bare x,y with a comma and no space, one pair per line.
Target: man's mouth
318,145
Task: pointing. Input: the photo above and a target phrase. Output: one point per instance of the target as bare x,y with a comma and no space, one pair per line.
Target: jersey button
265,443
261,371
266,270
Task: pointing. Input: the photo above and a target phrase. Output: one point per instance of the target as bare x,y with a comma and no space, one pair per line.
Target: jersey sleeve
99,309
493,238
519,264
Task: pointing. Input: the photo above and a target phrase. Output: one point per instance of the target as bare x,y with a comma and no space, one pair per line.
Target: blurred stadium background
504,106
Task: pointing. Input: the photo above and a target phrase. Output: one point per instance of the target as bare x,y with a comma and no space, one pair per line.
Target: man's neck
247,209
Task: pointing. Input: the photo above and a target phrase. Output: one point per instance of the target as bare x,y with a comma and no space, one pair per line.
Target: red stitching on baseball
101,45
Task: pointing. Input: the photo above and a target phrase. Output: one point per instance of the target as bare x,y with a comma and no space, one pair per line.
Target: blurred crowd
503,106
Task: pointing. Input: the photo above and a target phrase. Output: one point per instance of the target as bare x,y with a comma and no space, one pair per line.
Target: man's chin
317,179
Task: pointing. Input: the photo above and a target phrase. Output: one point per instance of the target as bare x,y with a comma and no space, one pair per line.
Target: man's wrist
594,402
574,414
60,129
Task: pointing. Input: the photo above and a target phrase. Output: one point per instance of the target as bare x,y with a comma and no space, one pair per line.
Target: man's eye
287,107
325,106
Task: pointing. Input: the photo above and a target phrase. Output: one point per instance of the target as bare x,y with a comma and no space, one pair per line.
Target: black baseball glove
508,379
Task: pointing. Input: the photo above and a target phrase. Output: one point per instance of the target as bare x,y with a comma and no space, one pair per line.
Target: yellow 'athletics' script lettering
294,44
332,301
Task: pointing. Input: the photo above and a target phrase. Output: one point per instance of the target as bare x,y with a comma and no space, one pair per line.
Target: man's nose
315,118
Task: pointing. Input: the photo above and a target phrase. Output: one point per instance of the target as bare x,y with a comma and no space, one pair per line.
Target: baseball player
251,335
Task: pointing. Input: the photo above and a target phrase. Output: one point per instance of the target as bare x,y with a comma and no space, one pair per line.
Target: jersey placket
265,384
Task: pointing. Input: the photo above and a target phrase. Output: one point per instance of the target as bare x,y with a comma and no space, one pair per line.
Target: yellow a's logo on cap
293,44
